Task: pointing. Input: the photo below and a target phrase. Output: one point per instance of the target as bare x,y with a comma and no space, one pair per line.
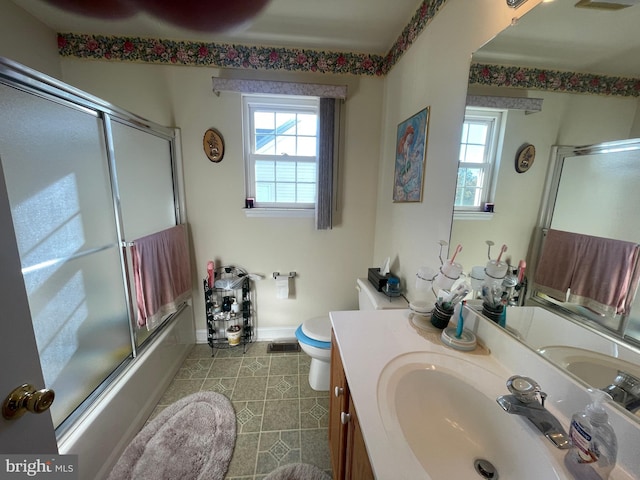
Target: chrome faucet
524,401
625,390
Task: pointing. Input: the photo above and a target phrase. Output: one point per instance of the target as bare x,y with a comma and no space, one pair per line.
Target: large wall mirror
581,65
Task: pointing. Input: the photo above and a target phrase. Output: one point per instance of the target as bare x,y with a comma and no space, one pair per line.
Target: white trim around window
281,158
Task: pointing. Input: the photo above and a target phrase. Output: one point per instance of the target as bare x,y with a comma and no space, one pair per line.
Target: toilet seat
318,328
315,332
302,338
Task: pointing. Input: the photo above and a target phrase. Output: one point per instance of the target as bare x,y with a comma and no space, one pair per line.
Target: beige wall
432,73
327,262
565,119
25,40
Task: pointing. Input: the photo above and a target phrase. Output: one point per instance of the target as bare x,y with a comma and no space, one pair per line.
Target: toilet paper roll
282,287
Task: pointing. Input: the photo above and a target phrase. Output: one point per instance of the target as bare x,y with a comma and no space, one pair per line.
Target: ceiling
362,26
555,34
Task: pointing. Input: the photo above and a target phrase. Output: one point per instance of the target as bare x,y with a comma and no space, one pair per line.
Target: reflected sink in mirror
596,369
444,410
587,355
540,329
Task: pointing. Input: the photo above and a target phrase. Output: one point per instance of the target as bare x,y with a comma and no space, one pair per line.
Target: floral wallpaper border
423,16
552,80
171,52
150,50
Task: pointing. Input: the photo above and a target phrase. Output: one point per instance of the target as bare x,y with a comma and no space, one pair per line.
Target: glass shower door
54,159
143,166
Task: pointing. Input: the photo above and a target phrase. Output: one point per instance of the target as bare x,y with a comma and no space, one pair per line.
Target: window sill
462,215
280,212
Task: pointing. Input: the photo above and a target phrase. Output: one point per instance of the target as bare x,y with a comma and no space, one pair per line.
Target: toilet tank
371,299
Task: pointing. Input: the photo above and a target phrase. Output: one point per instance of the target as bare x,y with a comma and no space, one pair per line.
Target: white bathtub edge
106,429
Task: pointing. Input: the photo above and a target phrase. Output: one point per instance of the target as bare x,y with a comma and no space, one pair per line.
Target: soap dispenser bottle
594,444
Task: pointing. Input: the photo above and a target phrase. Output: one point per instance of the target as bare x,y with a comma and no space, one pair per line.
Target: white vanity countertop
369,340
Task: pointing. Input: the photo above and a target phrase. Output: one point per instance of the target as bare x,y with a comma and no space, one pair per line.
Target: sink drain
486,469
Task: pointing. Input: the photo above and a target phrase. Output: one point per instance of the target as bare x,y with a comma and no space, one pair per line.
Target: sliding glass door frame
29,81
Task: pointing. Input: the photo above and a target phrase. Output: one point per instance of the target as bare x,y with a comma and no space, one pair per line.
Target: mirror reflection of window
482,133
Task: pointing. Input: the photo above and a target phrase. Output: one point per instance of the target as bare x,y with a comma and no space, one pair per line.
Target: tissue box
376,279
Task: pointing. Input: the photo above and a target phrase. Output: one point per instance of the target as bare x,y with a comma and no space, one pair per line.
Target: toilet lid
318,328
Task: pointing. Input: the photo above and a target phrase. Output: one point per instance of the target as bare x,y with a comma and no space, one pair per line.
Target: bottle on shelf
226,304
235,306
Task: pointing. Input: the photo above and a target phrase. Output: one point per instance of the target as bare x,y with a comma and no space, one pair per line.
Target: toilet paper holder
277,274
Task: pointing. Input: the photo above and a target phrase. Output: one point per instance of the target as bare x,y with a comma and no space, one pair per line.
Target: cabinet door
338,406
358,466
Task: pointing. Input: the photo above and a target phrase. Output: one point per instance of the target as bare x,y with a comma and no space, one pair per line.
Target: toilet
314,335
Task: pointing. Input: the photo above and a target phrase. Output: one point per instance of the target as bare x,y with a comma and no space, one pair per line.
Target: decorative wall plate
213,145
525,157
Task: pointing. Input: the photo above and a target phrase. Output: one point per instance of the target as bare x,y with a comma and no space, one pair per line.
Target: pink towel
556,264
599,273
162,274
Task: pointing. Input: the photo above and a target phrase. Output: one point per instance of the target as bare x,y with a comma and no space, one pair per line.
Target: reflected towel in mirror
598,273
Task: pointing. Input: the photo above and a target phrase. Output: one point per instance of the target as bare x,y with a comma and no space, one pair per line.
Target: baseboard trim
269,334
201,336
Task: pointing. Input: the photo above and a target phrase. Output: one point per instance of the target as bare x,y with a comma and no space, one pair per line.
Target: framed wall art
525,157
411,148
213,145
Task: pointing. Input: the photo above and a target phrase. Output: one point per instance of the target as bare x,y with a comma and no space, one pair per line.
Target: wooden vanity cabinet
349,459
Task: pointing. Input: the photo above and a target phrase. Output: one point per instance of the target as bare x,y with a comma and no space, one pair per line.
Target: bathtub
102,433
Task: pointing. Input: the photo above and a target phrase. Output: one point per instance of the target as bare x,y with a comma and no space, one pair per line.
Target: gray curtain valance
278,88
529,105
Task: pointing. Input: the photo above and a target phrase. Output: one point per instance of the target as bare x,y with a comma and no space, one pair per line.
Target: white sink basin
597,369
443,409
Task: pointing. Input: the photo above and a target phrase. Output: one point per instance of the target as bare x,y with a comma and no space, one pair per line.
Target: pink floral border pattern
425,13
552,80
241,56
216,55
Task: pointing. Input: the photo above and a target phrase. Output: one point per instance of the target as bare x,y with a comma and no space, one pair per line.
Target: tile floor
280,419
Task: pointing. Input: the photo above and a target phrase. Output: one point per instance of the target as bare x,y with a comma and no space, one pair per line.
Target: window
482,134
281,151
